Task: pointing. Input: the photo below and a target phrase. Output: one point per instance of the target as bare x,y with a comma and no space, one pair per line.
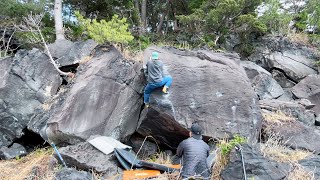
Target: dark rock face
312,164
87,157
67,52
290,108
203,90
26,81
72,174
309,88
105,99
266,87
16,150
257,166
147,147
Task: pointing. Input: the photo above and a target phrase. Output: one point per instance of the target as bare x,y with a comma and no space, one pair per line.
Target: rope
238,148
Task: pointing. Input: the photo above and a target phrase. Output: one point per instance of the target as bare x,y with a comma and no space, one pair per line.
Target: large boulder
15,151
209,88
293,133
266,87
257,166
105,99
309,88
72,174
72,52
252,69
294,109
26,82
86,157
288,62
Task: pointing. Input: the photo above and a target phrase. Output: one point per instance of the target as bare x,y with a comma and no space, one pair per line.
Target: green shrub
113,31
226,147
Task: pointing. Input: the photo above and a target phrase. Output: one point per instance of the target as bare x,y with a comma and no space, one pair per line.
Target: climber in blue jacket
155,77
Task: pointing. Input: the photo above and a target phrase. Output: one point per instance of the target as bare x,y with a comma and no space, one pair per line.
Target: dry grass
275,150
277,117
160,158
130,55
167,176
301,38
33,166
220,163
298,173
85,59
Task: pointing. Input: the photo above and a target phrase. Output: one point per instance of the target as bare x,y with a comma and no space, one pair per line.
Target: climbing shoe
146,105
165,89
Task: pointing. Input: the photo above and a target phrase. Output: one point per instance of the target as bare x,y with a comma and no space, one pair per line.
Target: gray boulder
312,164
16,150
266,87
72,174
287,61
294,134
309,88
293,109
86,157
203,90
66,52
26,82
252,69
295,67
257,166
105,99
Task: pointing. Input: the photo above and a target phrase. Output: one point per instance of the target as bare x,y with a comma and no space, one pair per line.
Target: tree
114,31
32,24
58,20
215,19
313,8
275,17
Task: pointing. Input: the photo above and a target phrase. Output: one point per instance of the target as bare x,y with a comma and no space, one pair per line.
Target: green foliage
313,8
275,18
301,21
114,31
227,147
17,9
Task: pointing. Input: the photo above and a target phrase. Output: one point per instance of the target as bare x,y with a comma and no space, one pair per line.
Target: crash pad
123,162
129,157
107,144
140,174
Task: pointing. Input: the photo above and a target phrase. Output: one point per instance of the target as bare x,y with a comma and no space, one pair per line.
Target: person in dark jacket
155,77
194,152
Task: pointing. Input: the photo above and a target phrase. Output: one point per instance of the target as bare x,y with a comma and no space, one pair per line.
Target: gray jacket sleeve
180,149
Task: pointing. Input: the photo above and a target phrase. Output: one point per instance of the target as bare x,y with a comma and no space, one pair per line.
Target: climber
194,152
155,77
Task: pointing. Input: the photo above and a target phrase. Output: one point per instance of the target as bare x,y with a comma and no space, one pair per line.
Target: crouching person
194,152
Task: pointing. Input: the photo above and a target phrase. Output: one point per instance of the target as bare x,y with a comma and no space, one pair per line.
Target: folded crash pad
125,157
128,156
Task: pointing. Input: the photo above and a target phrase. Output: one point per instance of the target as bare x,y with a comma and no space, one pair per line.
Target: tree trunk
159,27
139,23
144,14
58,20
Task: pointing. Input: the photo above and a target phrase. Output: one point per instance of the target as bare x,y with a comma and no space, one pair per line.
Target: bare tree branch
32,23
